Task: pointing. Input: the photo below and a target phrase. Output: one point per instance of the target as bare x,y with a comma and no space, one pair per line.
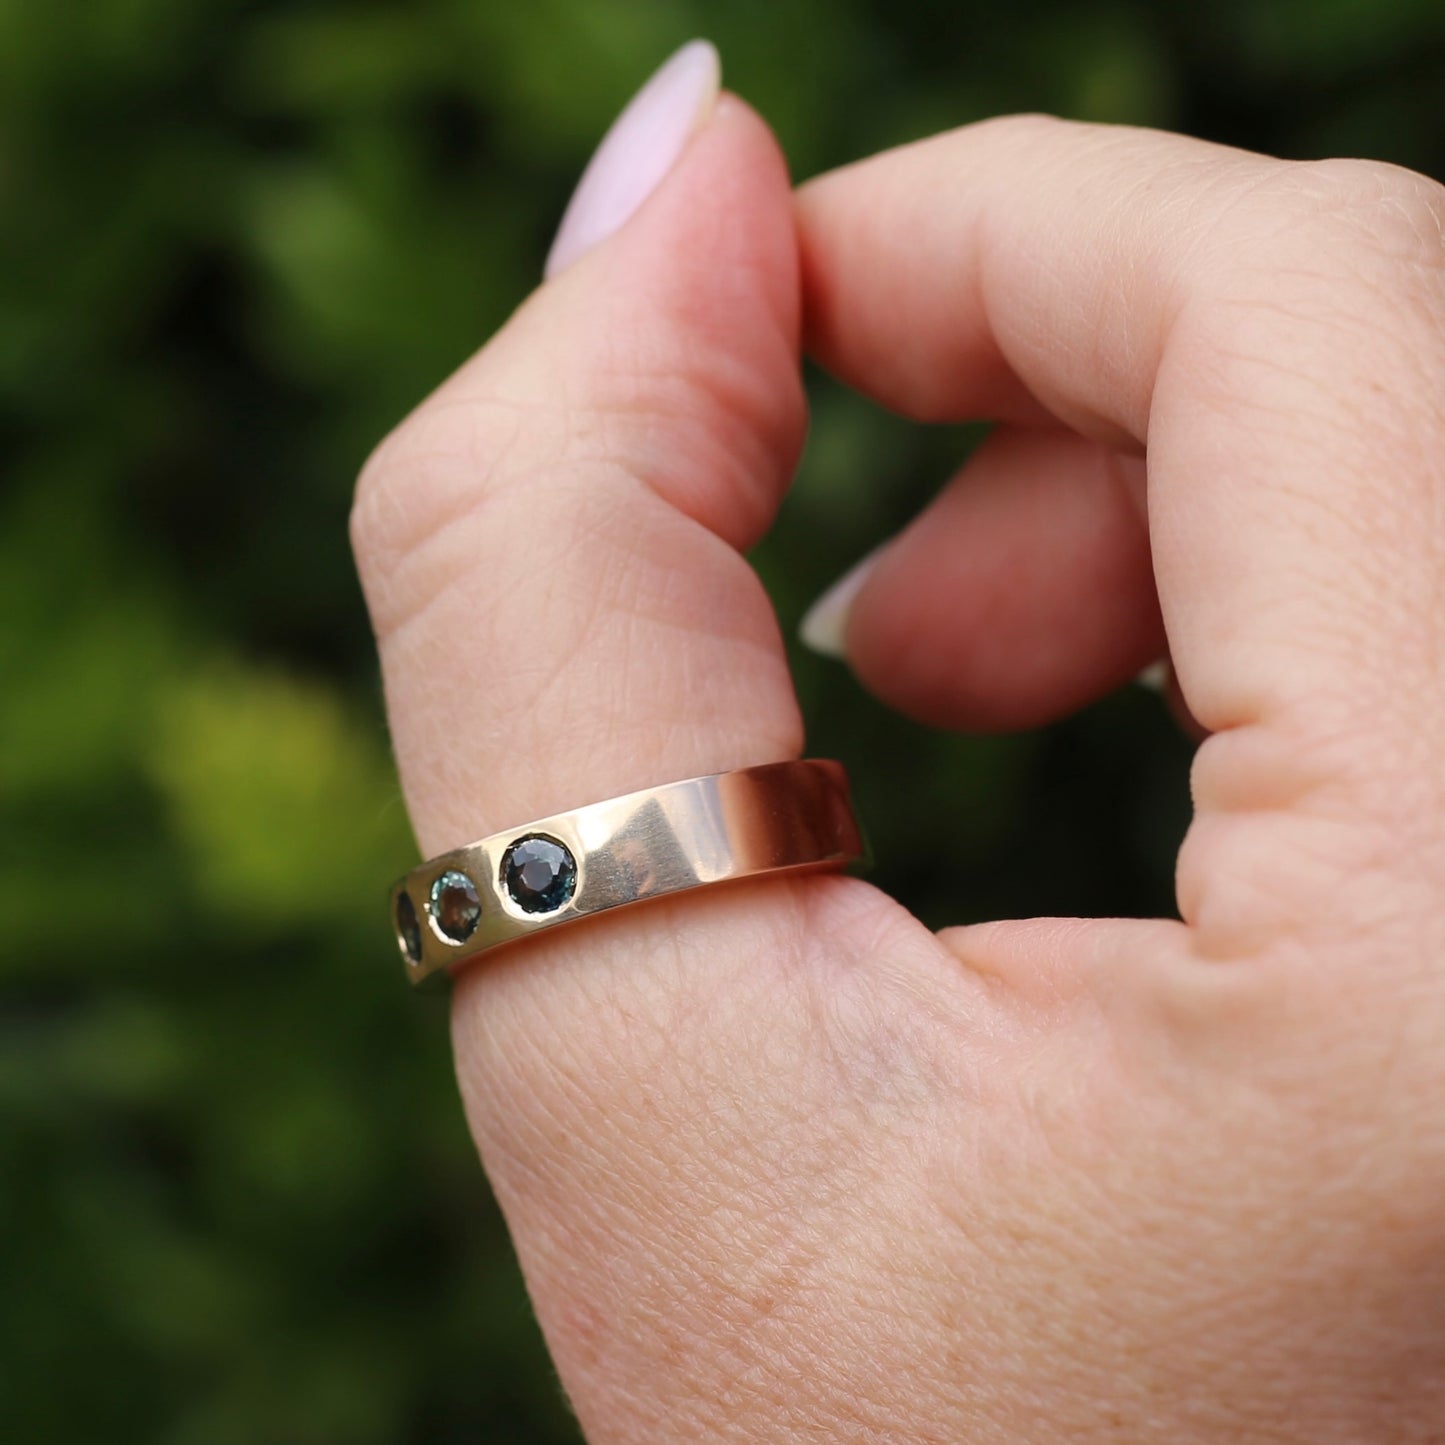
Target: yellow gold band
780,817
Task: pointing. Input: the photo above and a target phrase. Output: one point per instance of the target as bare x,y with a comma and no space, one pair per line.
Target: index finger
1271,332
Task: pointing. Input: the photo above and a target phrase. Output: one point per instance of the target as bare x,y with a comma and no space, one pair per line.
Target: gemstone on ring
539,873
455,906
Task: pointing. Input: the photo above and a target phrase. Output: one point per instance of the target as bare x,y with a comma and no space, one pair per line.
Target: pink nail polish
638,151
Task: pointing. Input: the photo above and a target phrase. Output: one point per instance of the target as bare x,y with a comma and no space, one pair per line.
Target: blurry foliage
240,240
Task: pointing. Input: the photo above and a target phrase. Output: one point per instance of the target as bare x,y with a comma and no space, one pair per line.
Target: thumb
549,548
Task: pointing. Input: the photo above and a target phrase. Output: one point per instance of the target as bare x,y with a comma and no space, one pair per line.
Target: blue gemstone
408,930
539,874
455,907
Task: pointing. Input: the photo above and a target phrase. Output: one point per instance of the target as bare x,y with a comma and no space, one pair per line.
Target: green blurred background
237,1202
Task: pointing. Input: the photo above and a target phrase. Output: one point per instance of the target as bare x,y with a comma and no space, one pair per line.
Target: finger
1203,300
1274,334
1022,593
550,552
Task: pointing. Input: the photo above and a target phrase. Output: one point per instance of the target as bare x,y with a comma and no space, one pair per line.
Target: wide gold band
781,817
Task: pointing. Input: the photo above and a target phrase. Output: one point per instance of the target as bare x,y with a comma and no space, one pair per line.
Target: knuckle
1360,232
433,467
415,517
1315,302
370,503
1391,213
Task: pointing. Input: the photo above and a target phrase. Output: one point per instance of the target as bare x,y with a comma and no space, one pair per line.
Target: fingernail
1155,677
825,623
638,151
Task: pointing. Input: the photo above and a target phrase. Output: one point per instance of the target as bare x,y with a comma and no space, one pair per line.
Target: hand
779,1162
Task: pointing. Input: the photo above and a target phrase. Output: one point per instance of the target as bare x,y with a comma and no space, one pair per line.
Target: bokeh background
239,241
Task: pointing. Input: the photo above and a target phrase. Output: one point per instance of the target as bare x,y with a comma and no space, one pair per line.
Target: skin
781,1164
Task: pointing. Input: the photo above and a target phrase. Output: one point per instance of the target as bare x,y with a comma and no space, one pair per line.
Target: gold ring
781,817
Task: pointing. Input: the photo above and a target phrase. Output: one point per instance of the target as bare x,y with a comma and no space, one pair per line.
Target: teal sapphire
455,906
539,874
